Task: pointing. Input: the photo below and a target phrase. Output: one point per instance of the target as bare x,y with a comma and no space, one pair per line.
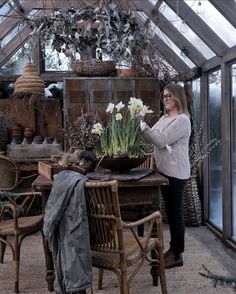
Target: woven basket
29,82
94,68
192,204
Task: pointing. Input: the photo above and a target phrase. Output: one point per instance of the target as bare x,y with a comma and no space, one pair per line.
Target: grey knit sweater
170,137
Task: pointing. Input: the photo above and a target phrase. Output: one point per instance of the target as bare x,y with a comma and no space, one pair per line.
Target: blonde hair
180,96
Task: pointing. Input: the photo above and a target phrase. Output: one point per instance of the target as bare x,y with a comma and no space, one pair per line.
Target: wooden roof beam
169,55
19,7
9,23
165,25
164,51
227,9
199,27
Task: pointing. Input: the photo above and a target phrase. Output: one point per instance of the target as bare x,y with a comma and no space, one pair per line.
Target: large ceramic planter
121,164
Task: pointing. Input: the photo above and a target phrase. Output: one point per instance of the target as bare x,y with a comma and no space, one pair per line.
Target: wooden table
141,193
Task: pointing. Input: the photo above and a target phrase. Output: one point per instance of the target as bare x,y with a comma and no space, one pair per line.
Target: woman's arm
176,129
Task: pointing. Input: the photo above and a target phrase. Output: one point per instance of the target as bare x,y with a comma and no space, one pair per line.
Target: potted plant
120,137
94,31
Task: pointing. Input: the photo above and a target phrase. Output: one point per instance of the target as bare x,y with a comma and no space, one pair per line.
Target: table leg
154,265
140,215
50,276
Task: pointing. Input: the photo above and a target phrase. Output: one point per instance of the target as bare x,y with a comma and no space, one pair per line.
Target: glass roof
16,30
185,30
203,8
154,2
4,11
168,41
214,19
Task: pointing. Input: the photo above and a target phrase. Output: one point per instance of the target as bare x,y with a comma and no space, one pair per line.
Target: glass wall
214,124
16,64
196,89
233,151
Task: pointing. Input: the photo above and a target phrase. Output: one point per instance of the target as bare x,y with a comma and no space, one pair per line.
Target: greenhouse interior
117,146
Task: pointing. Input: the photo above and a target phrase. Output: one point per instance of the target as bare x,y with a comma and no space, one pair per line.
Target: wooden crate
33,152
49,169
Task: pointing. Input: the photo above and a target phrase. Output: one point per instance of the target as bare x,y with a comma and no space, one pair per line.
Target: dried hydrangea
80,133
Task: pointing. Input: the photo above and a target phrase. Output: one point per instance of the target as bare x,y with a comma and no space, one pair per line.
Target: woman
170,137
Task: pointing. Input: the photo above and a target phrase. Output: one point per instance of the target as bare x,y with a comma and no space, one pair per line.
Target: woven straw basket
93,68
29,82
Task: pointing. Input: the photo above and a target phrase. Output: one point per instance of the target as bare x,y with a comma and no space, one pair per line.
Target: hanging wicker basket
93,68
29,82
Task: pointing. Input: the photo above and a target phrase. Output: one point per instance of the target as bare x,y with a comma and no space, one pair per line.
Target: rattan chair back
115,245
149,162
18,216
104,216
9,174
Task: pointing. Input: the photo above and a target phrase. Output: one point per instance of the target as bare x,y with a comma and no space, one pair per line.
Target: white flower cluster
97,129
135,106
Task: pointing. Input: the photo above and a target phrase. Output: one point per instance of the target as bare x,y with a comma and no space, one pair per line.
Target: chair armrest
27,200
142,221
12,208
25,194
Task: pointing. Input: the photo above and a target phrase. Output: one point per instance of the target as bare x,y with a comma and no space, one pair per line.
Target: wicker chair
10,174
16,218
149,162
115,245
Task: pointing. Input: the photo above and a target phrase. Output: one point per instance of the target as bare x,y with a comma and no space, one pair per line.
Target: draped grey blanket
67,230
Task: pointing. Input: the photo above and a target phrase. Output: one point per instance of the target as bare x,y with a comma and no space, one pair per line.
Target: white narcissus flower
118,116
135,105
119,106
169,148
110,107
145,110
97,129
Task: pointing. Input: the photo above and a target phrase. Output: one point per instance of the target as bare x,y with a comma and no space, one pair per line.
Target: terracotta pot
16,133
28,134
128,72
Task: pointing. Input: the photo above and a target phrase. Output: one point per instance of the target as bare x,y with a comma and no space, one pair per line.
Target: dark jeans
173,195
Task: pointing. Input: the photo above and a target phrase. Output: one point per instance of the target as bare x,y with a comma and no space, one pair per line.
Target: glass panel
215,20
214,120
4,11
154,2
185,30
196,101
168,41
16,64
234,151
32,13
56,61
12,34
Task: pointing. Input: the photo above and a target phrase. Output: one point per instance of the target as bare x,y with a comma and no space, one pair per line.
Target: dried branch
198,150
219,280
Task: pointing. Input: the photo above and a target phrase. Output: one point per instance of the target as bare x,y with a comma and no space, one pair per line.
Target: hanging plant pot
93,68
